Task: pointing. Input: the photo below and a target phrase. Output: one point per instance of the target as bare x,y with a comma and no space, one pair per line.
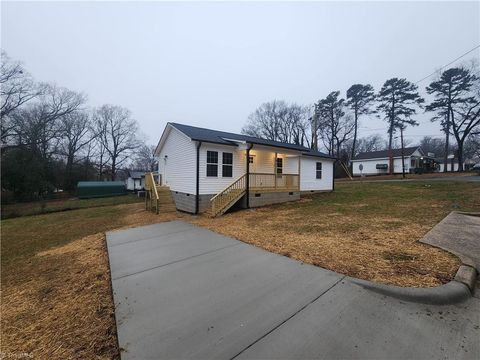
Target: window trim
210,163
227,165
317,171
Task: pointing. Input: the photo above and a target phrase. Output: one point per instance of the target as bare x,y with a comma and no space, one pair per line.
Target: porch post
247,180
275,171
299,162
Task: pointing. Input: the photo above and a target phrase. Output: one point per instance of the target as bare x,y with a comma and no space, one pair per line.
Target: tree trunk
114,170
460,155
390,154
403,155
390,139
68,181
354,134
447,140
100,167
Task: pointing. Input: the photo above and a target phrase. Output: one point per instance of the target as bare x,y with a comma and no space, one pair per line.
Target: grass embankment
369,231
56,293
48,206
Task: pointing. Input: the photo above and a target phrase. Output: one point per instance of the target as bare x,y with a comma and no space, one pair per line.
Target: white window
319,170
227,164
212,163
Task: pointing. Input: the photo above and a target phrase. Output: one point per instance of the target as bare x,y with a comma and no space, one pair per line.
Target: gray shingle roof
385,153
221,137
134,174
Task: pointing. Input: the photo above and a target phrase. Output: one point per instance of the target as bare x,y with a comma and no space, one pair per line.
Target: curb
467,275
450,293
459,289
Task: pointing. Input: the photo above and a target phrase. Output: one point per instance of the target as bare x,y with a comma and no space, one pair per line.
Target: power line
450,63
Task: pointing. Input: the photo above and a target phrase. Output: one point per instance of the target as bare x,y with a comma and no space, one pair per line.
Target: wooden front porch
257,182
267,182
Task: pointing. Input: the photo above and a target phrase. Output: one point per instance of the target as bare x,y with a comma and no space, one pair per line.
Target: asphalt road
184,292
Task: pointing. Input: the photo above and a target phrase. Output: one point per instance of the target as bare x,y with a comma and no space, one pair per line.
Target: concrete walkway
460,234
182,291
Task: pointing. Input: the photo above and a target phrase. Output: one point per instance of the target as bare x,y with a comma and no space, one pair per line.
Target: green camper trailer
92,189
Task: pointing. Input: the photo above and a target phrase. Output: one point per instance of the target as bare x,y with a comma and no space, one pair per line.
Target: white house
135,180
377,162
451,166
199,164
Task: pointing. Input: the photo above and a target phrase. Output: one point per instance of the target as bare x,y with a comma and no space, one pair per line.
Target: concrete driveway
182,291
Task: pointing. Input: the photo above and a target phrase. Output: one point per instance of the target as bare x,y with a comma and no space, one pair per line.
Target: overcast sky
211,64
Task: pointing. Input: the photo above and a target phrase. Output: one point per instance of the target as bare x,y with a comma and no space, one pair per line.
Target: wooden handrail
257,173
227,197
152,191
275,182
231,186
265,181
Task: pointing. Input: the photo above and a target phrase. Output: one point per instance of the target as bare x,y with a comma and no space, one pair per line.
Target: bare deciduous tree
76,135
145,158
118,134
16,89
433,145
38,123
279,121
370,143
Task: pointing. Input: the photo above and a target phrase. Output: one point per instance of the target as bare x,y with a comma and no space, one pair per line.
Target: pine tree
359,99
398,100
451,92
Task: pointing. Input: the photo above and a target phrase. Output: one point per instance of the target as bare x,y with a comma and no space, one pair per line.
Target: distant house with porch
208,169
377,162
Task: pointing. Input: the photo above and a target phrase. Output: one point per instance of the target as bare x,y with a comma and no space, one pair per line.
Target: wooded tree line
332,123
51,139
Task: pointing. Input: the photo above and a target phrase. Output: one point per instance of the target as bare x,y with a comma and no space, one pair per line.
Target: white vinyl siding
290,165
308,174
370,166
213,185
178,171
264,161
449,166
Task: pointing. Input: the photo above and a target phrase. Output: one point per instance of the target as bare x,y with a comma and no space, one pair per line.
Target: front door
252,164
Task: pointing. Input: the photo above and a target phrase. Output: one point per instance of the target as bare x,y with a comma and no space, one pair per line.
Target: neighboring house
377,162
451,166
199,164
135,180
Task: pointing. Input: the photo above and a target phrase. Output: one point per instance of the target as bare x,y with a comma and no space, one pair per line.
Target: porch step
233,197
158,197
226,198
165,200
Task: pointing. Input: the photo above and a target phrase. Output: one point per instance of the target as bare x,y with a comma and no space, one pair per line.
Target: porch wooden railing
274,182
229,196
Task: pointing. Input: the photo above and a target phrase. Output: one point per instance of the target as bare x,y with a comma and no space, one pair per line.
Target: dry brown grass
56,295
426,176
57,302
368,231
